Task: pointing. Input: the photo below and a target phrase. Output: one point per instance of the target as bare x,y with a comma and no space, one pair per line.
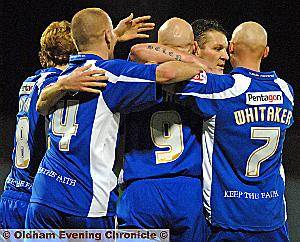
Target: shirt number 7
271,135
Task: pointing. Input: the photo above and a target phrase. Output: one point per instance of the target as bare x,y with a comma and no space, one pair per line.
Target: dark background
22,23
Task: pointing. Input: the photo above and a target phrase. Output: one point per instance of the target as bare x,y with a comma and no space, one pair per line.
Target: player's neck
101,54
249,64
98,49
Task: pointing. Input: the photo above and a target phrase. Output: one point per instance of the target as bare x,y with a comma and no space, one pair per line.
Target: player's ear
266,52
231,48
196,49
108,39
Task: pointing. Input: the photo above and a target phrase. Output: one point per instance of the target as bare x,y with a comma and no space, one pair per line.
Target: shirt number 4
65,125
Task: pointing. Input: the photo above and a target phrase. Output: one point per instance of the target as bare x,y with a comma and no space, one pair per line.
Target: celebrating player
162,167
246,116
30,139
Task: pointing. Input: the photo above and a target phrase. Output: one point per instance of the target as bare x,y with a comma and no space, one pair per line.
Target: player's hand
84,80
130,28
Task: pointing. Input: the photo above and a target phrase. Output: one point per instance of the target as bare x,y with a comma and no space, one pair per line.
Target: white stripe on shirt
240,86
285,89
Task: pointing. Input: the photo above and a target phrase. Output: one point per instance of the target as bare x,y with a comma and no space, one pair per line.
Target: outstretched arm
158,53
176,71
80,80
130,28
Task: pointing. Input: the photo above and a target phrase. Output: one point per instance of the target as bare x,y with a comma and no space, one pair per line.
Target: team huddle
193,150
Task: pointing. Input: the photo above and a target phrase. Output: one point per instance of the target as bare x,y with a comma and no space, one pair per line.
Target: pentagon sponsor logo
259,98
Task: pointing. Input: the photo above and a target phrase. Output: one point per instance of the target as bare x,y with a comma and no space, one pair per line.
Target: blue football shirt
30,138
246,115
76,174
162,141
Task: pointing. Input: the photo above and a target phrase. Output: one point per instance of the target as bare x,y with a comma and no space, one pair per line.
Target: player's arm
148,52
205,94
136,85
177,71
131,28
80,80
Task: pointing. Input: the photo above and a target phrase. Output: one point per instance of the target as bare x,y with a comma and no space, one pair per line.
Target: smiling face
214,50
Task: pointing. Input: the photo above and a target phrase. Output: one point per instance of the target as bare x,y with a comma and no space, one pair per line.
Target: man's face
214,50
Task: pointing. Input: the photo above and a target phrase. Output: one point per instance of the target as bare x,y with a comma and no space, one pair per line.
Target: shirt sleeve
291,98
45,81
204,93
134,89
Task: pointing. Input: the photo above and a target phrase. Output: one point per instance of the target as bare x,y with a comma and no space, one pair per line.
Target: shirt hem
248,228
72,212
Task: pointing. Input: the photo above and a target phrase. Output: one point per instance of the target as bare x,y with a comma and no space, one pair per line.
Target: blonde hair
56,44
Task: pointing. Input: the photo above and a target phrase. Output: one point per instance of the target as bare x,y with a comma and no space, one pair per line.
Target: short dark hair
202,26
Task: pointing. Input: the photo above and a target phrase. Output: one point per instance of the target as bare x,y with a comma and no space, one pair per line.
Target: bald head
89,26
176,32
251,35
